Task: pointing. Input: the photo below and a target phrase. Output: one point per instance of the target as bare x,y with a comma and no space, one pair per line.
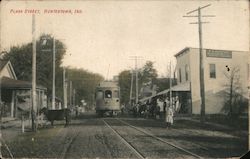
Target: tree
125,84
21,59
148,74
146,77
84,83
234,101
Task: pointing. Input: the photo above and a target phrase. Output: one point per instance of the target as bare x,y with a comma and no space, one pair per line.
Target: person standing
177,104
167,104
122,108
170,117
164,109
173,103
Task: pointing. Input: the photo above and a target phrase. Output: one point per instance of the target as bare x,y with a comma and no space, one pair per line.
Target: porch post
30,107
12,104
42,98
38,102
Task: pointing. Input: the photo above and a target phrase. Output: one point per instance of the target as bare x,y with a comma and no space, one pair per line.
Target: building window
186,72
180,74
212,69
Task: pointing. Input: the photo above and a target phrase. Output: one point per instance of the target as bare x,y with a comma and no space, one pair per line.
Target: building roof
2,63
9,83
108,84
182,51
188,48
57,99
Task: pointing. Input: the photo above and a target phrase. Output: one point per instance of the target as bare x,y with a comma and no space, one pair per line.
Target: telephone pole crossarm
199,9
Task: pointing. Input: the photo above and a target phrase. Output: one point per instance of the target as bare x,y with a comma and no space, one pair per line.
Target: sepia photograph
124,79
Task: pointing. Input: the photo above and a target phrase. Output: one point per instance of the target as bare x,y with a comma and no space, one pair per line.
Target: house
16,94
219,67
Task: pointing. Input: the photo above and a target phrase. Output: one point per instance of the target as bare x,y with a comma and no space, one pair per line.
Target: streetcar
107,97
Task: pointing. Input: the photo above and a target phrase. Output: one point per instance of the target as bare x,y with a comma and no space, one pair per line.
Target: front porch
16,98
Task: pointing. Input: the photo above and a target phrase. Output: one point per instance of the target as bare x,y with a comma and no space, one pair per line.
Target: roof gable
6,69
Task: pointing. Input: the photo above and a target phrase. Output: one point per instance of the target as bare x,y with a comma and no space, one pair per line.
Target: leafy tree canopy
147,76
21,59
125,84
84,83
149,73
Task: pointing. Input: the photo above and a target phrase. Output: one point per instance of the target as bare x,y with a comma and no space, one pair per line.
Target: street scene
91,137
125,79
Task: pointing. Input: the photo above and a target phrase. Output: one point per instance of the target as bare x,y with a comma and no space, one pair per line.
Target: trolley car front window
108,94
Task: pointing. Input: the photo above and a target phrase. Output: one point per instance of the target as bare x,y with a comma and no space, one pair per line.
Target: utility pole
1,109
53,69
136,82
53,80
170,85
64,89
248,101
33,73
131,87
74,97
1,156
136,58
70,93
201,63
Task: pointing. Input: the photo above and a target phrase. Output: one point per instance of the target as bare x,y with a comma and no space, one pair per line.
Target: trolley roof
108,84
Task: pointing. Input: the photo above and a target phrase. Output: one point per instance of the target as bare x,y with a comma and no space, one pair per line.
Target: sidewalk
8,122
216,125
7,119
11,122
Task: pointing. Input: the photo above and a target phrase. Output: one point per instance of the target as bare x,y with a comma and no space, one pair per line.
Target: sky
103,35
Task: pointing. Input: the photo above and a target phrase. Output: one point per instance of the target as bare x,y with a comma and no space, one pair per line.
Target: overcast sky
107,33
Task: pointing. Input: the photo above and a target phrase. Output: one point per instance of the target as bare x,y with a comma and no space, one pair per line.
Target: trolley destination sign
219,53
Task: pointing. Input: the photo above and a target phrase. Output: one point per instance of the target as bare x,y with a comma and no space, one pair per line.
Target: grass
32,143
240,123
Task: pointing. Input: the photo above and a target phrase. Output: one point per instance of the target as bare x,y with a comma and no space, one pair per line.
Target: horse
61,114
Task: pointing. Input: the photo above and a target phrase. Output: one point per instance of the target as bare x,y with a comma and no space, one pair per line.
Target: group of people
159,109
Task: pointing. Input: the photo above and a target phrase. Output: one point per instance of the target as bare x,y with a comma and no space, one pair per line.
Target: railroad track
70,141
138,153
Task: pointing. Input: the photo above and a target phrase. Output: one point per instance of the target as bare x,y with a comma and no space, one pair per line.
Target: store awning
181,87
145,99
177,88
163,92
184,87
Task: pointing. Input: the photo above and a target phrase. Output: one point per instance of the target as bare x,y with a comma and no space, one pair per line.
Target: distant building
115,78
58,103
147,91
16,94
217,64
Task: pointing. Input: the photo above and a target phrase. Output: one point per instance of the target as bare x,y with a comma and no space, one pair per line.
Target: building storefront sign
219,53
